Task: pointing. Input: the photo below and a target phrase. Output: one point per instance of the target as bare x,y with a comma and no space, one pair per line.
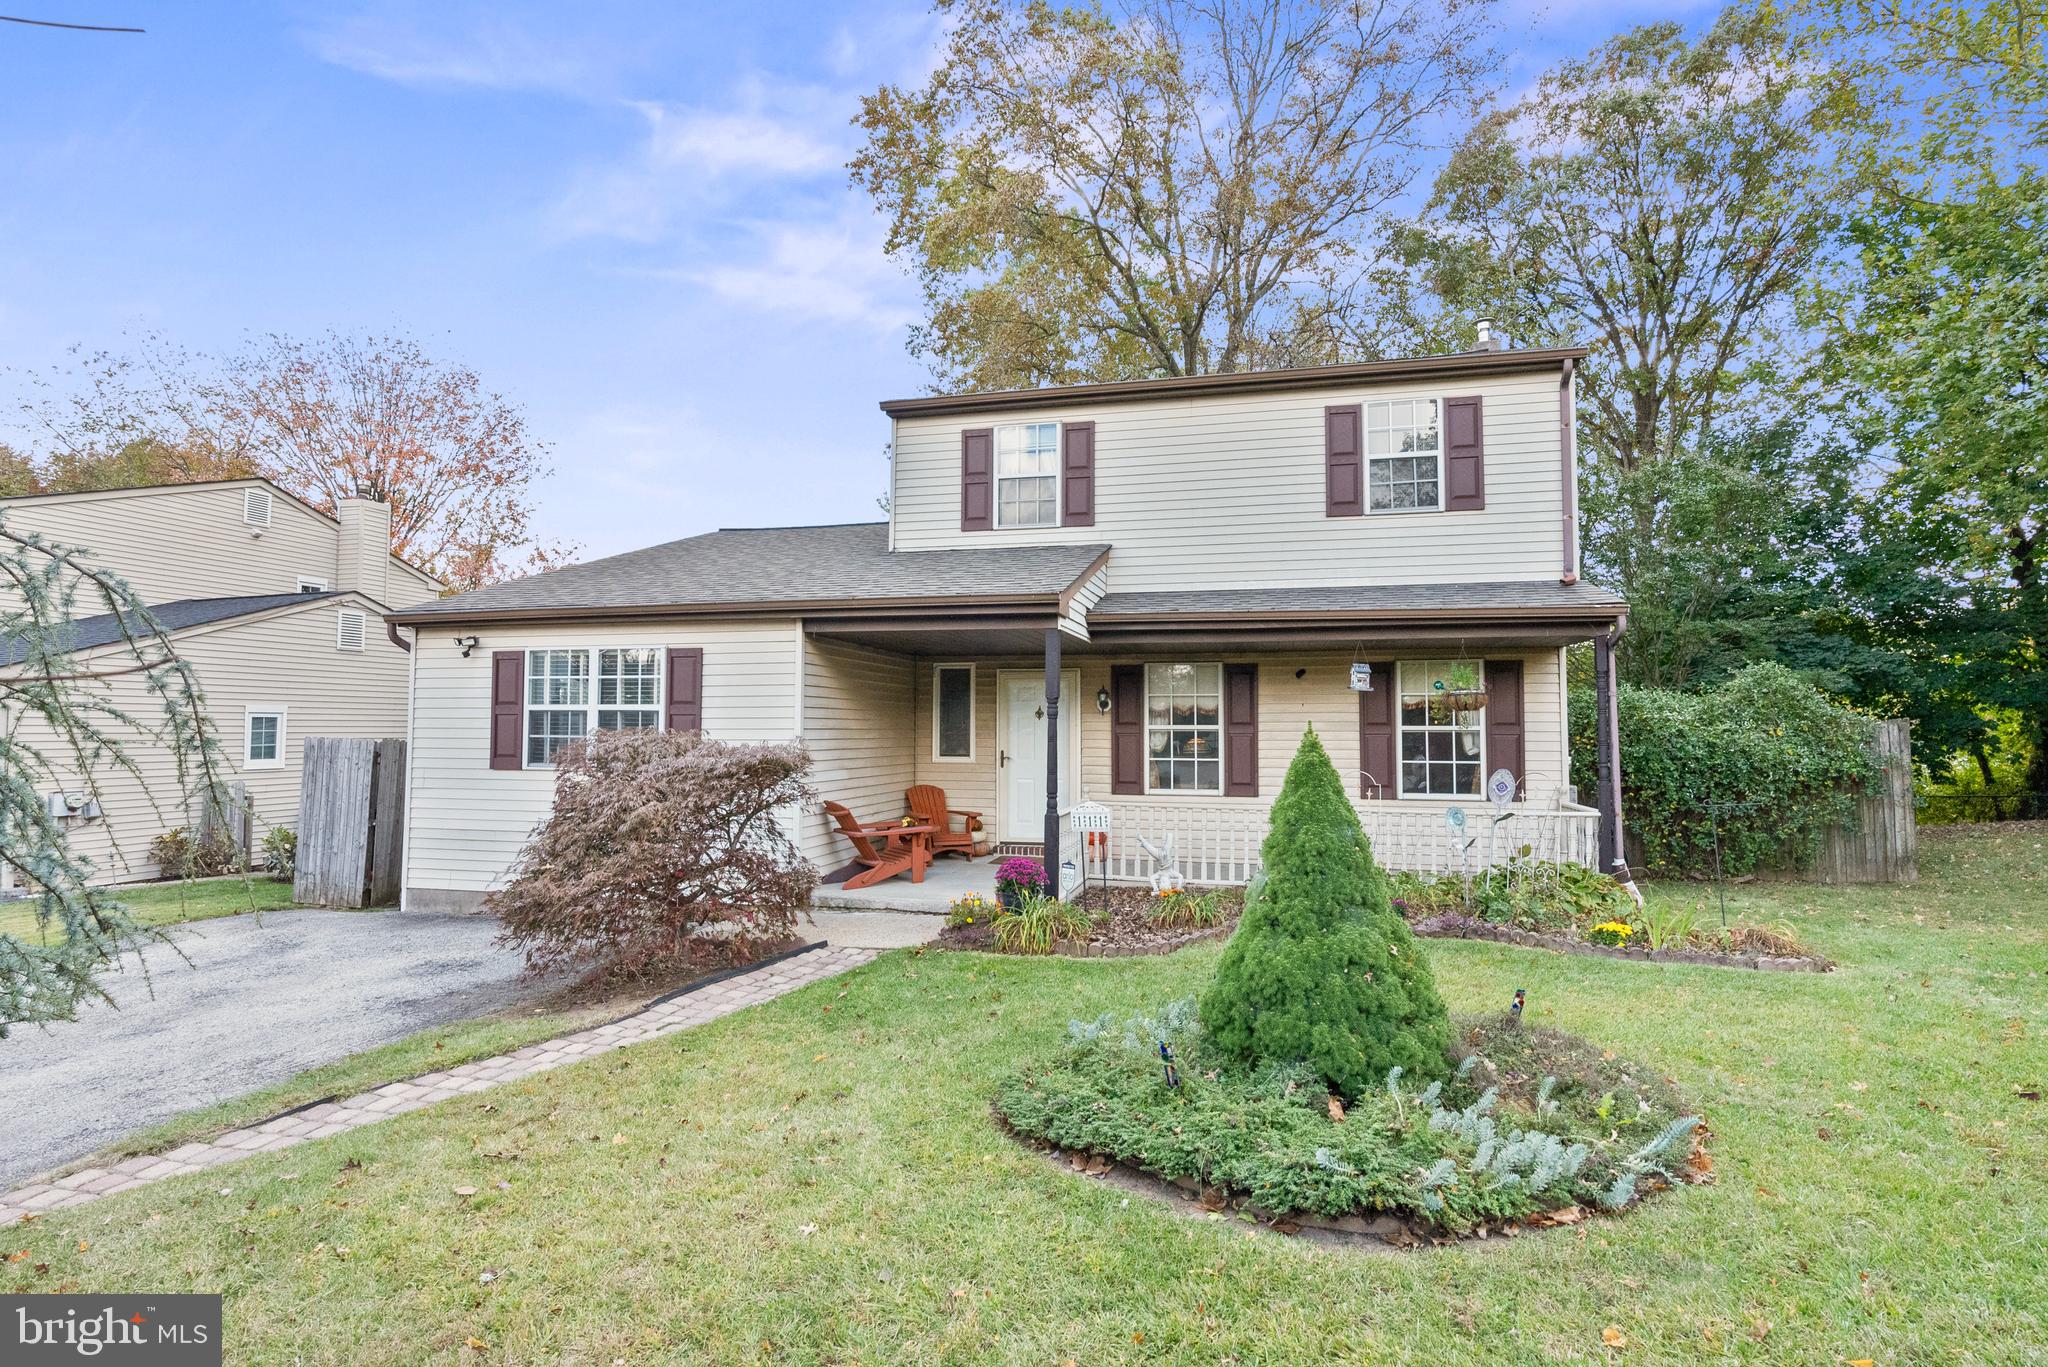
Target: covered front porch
1182,725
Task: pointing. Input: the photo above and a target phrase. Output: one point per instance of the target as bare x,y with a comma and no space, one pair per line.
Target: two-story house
1137,594
278,606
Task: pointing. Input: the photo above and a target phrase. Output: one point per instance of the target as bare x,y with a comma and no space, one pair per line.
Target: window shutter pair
1464,457
978,477
684,698
1240,730
1380,776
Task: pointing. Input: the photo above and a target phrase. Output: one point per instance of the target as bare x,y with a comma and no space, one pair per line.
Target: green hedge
1780,760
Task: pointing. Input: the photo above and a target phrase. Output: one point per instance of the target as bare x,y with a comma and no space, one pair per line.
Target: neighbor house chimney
1487,341
364,562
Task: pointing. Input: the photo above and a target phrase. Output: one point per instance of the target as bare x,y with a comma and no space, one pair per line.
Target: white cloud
834,273
447,48
745,141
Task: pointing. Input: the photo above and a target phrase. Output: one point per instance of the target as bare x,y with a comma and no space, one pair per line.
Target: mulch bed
1129,932
1454,926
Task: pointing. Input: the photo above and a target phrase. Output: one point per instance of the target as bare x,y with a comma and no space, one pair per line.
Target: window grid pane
1403,451
1442,747
262,738
1183,724
1027,475
628,678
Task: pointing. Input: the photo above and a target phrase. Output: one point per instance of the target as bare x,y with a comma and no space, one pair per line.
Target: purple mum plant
1026,875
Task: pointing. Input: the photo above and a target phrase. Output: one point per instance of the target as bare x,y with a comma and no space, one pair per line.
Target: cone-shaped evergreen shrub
1322,970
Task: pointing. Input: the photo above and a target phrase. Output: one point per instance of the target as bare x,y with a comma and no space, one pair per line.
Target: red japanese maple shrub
662,846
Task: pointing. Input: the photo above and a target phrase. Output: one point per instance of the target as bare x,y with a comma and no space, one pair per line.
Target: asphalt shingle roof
88,633
762,566
1506,596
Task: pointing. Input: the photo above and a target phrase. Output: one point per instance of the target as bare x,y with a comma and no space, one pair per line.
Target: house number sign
1088,816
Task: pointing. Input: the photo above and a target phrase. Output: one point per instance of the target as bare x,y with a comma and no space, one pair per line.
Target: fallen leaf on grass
465,1191
475,1344
18,1257
83,1245
618,1139
1613,1337
1759,1329
1862,1362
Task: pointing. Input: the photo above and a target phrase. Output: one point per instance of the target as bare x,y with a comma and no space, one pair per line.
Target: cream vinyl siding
857,705
1228,492
1075,623
178,542
1287,706
285,660
466,822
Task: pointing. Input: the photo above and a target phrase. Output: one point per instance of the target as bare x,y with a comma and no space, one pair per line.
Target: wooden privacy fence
1885,844
351,823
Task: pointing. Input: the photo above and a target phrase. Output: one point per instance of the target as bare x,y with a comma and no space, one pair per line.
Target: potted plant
1462,689
1017,878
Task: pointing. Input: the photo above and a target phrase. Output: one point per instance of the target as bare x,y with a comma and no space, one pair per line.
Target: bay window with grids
1403,456
572,693
1184,728
1028,475
1443,745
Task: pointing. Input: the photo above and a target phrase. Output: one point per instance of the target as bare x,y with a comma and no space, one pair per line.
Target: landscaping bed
1109,922
1453,925
1529,1128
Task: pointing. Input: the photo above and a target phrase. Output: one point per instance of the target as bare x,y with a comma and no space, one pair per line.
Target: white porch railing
1218,842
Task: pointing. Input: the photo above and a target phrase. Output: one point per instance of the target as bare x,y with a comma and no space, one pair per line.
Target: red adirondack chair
901,849
928,804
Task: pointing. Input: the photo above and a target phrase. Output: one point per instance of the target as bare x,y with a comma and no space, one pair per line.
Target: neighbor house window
1028,475
312,585
953,712
562,705
628,690
263,738
1184,728
1442,744
1403,452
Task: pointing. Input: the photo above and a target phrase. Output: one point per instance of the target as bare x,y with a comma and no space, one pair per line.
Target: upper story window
562,705
1184,728
307,585
1443,746
1028,475
1403,456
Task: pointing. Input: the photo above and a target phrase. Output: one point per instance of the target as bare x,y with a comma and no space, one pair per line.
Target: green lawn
163,904
817,1180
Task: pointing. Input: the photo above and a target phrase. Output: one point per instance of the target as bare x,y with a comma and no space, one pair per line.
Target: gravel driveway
261,999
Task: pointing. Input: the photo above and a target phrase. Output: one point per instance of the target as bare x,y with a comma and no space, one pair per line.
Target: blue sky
632,218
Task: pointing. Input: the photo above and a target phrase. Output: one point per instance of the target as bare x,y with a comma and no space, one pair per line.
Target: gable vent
256,507
351,630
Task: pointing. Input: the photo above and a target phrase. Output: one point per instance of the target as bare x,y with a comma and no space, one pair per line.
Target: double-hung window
263,738
629,689
572,693
1028,475
1443,745
1183,728
1403,456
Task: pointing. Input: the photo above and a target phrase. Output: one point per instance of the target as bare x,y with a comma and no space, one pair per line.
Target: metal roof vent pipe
1487,341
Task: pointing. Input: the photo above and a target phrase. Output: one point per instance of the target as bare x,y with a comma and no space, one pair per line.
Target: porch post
1607,751
1052,759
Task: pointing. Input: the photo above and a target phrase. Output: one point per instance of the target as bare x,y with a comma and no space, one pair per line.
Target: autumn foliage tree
661,845
322,417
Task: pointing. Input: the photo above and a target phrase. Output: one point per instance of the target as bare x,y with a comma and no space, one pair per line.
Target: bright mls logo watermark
160,1331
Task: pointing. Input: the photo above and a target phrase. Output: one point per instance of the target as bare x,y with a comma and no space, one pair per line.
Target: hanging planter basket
1464,699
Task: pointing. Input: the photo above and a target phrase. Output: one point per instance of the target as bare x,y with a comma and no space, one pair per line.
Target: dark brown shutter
1464,456
1343,462
1504,721
1077,474
1379,775
978,479
685,688
1127,728
508,682
1240,730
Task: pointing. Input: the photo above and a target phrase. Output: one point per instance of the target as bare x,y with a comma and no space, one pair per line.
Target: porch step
1018,849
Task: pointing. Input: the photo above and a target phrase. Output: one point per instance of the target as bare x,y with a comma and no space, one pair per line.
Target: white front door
1020,742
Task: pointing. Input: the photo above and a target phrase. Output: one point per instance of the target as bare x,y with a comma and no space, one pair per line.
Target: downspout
1607,751
1567,427
391,630
412,694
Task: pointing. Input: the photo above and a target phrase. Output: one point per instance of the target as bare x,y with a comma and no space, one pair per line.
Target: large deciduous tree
1171,187
324,418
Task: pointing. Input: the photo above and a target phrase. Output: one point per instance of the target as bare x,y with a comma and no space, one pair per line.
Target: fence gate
351,823
1885,846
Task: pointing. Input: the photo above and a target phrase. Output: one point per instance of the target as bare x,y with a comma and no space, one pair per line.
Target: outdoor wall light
1102,700
468,643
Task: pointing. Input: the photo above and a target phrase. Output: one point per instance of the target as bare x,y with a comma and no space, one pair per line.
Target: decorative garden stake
1515,1010
1166,1059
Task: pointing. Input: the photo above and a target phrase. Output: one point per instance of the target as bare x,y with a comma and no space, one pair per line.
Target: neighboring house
1136,593
278,607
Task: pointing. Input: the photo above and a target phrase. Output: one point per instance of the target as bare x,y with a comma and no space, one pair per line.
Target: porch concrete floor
946,879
